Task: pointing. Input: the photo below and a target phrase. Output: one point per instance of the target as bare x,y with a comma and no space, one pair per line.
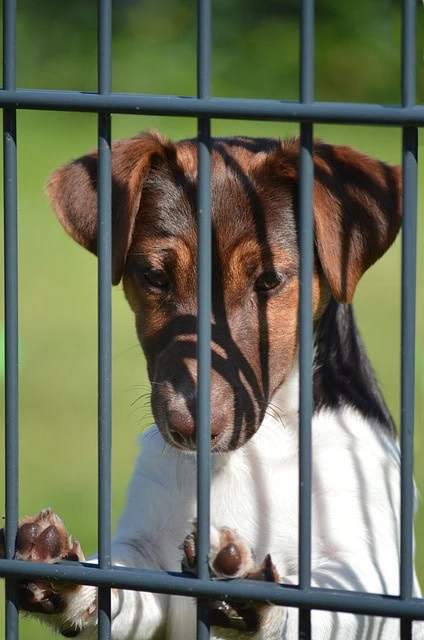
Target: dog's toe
43,538
231,557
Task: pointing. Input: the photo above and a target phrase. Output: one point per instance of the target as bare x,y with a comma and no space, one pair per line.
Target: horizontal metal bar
228,108
245,590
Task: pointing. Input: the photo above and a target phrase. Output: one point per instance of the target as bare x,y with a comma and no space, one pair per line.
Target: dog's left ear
357,213
357,208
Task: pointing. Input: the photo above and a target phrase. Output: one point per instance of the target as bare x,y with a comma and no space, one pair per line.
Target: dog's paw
231,557
43,538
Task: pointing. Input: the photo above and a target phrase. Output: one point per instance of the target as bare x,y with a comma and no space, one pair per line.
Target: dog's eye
156,278
268,280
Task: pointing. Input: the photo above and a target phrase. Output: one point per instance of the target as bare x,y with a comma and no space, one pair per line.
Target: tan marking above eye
159,253
249,262
249,255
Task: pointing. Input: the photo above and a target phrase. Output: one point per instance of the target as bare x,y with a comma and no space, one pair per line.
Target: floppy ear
357,213
357,209
73,192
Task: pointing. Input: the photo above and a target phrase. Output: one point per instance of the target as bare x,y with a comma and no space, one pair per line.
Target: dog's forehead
246,200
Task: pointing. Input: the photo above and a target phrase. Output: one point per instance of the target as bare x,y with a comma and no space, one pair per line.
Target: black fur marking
342,371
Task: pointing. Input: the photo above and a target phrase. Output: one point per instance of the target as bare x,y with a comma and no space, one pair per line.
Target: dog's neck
342,373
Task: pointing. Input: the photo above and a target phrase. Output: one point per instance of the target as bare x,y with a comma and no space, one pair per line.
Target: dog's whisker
143,396
134,387
276,412
128,349
269,410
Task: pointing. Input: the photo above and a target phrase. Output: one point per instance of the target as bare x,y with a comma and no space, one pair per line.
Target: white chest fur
254,490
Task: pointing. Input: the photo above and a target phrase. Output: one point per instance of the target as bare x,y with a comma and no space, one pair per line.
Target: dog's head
255,282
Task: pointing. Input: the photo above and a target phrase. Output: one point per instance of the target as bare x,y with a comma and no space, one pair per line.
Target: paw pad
43,538
228,560
231,557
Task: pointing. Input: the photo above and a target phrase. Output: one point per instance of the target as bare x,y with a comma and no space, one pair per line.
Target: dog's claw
189,558
229,611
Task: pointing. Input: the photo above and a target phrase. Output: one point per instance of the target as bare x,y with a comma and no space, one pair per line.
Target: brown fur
254,213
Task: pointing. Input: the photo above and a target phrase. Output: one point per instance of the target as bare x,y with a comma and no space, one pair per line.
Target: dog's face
255,261
254,291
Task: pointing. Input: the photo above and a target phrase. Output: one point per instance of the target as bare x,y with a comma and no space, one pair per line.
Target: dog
254,387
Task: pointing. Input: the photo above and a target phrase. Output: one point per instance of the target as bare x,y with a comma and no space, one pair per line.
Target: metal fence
409,116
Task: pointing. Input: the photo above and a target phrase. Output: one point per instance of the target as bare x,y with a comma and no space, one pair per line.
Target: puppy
254,388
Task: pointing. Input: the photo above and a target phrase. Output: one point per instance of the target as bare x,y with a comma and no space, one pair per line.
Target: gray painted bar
11,312
228,108
204,288
104,245
409,260
245,590
306,248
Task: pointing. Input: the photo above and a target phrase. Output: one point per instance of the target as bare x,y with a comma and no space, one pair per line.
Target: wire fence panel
306,112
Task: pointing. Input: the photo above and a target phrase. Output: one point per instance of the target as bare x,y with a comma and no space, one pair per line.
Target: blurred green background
255,51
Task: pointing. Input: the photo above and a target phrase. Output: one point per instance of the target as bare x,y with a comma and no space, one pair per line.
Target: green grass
58,330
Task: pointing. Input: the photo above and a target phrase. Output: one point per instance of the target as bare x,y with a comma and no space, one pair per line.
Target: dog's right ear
73,192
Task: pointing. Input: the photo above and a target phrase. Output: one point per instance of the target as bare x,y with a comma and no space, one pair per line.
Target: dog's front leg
73,609
135,614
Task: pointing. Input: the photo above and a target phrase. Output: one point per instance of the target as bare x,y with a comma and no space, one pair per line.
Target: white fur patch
254,491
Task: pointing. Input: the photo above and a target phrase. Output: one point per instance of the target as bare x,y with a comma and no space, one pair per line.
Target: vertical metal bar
104,312
306,247
307,51
409,256
409,61
11,312
409,252
204,288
